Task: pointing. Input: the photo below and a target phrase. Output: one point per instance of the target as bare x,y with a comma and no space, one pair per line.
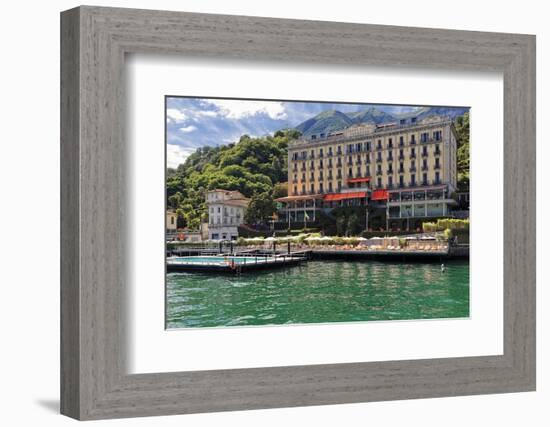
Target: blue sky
197,122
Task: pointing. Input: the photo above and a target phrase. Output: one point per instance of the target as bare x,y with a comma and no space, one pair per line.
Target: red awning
354,180
379,195
344,196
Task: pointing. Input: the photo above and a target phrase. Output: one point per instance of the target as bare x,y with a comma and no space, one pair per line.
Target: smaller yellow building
171,222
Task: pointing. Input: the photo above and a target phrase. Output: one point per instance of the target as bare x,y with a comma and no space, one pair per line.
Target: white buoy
443,268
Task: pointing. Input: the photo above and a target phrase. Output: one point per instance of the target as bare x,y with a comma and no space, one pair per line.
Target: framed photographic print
262,213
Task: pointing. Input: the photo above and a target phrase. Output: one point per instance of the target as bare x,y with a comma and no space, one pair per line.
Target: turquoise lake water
319,292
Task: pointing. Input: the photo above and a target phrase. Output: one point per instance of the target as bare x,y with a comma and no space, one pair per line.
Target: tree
280,190
341,225
353,224
260,208
462,126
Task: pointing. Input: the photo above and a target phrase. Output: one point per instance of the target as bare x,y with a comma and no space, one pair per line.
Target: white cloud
238,109
187,129
175,115
176,155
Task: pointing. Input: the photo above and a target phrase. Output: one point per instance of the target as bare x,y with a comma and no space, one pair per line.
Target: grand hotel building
405,172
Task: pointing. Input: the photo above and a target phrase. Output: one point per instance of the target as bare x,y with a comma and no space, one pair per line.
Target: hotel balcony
437,166
437,152
378,159
412,169
389,158
401,157
424,154
413,156
424,168
401,170
379,172
389,171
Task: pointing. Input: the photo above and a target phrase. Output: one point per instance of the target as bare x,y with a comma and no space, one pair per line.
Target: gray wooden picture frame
94,381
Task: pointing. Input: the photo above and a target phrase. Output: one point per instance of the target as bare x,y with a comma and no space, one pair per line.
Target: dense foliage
462,125
253,166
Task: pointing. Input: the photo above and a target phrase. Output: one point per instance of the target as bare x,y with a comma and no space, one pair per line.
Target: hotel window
413,153
312,188
379,145
312,155
401,182
172,220
303,189
358,147
358,170
437,177
312,165
437,151
312,177
339,151
413,120
339,185
379,183
424,137
401,141
320,152
321,164
424,178
390,143
350,173
413,179
413,139
219,209
330,186
437,135
330,151
367,146
320,187
390,181
437,165
425,164
303,177
367,172
295,190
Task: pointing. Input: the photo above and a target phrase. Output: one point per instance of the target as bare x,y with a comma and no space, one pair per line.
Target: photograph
300,212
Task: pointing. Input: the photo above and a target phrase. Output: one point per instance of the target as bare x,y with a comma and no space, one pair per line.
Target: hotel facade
402,173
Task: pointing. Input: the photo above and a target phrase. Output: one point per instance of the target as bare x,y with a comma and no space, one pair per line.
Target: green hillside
252,166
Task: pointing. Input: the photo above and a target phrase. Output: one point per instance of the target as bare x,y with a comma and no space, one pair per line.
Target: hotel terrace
403,172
